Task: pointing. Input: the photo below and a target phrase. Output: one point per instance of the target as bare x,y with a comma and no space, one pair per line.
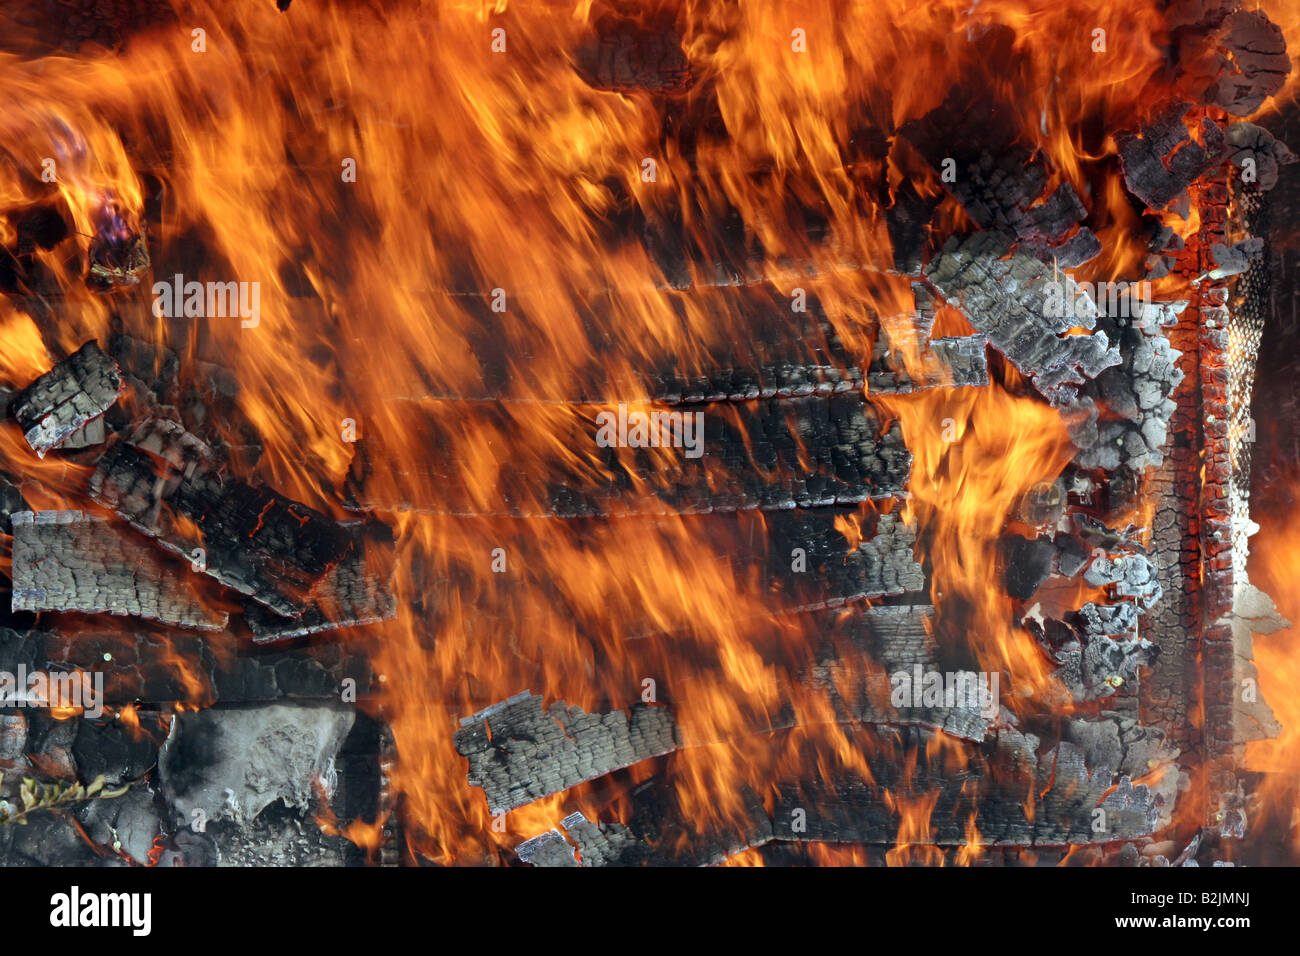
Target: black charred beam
355,592
150,667
778,454
167,484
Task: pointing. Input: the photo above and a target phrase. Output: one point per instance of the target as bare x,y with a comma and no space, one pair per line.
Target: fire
1275,561
433,222
978,454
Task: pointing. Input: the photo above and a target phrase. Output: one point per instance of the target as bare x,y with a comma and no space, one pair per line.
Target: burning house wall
841,238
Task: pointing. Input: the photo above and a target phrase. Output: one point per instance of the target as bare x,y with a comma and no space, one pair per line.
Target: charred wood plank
782,354
70,561
1010,298
784,453
783,561
1259,60
167,484
151,668
583,842
355,592
1162,160
751,343
1002,183
519,752
625,56
1012,792
918,362
879,674
75,392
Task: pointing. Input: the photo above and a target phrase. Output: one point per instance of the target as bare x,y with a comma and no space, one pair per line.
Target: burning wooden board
599,844
1016,795
519,752
1001,182
71,561
167,484
779,351
142,666
881,564
782,453
1012,792
1005,295
883,671
355,592
62,401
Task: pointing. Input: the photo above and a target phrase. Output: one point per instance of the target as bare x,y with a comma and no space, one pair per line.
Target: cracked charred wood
583,843
1126,576
167,484
70,561
519,752
880,564
89,435
550,849
990,793
58,404
625,56
918,362
1258,60
1162,160
147,667
908,222
882,672
1097,649
597,843
1004,189
1013,299
1136,395
1001,183
1082,246
1118,744
355,592
1266,154
782,353
1234,259
783,453
1014,792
